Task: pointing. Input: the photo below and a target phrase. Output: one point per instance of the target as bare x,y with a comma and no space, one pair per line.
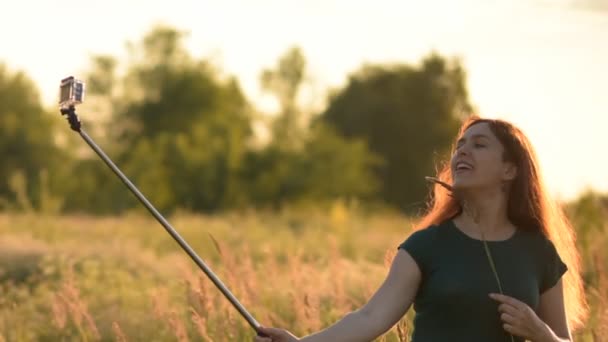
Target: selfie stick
75,125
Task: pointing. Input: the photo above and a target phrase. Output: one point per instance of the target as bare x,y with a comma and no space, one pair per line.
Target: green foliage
27,143
284,82
181,131
408,115
335,167
303,163
589,212
326,168
191,128
177,128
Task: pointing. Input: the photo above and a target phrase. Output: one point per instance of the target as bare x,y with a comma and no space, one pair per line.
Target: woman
486,261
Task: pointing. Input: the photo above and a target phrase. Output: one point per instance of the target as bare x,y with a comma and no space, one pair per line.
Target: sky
541,64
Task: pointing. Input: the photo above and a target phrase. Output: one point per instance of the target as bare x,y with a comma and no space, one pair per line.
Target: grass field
80,278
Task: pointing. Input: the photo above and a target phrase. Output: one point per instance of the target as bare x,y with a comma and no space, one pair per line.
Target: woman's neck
485,212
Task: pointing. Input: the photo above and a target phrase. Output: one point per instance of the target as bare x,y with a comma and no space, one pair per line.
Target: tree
408,115
27,146
328,167
303,163
194,122
178,127
284,82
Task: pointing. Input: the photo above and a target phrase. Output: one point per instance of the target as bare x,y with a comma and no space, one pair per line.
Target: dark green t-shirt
452,302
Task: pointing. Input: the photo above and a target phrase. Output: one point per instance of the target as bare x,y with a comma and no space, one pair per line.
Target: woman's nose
462,150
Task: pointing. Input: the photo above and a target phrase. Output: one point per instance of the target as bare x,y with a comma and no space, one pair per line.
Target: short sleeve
553,267
418,245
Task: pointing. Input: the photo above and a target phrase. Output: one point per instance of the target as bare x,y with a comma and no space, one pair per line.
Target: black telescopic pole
75,125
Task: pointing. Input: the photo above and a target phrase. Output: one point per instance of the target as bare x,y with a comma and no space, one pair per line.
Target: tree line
182,131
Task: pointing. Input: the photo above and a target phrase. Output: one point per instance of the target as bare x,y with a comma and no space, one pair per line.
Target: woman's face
478,160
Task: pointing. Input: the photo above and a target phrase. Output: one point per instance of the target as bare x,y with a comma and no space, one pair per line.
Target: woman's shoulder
548,260
535,236
419,244
538,242
426,234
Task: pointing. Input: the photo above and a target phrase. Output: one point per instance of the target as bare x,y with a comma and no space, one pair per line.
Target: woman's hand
275,335
519,319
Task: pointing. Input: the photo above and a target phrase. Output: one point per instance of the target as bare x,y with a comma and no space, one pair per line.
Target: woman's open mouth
463,167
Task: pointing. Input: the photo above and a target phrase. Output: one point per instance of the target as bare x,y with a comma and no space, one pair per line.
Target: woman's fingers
511,310
274,335
270,332
263,335
505,317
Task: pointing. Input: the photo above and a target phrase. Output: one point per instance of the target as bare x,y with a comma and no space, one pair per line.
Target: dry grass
124,279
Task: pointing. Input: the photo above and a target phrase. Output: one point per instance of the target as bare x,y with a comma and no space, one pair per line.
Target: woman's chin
462,186
457,185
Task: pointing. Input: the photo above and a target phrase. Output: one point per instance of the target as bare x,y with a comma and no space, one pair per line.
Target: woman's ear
509,171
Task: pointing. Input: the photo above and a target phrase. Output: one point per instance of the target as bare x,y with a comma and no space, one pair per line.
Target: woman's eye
480,145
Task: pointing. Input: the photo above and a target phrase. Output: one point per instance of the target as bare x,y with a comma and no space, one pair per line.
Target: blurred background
297,134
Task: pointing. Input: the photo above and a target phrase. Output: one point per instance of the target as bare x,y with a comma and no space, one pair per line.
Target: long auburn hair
529,207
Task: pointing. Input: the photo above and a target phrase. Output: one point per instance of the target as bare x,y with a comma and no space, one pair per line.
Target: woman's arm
390,302
551,310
